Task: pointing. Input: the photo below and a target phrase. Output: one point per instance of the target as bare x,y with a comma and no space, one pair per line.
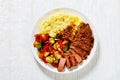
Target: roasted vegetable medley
50,49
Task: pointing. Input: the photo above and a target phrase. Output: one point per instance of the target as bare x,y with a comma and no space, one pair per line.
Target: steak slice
79,51
67,57
61,64
68,64
77,57
72,59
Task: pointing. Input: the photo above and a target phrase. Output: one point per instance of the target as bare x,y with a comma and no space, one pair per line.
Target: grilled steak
68,64
72,59
77,57
81,52
61,64
81,42
67,33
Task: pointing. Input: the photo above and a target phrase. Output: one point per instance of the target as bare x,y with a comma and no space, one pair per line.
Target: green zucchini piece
65,48
38,45
52,40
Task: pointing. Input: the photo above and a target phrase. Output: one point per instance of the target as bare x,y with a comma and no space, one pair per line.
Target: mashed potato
56,23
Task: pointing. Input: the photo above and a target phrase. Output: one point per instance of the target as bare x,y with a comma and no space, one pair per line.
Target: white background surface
17,19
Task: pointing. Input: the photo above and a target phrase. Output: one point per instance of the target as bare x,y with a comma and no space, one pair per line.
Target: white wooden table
17,19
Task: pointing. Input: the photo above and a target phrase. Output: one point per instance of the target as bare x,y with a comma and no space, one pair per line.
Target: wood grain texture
17,19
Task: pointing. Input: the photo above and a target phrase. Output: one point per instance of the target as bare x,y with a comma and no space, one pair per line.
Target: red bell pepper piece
49,43
42,50
51,50
46,47
46,37
44,59
41,55
54,65
38,37
60,43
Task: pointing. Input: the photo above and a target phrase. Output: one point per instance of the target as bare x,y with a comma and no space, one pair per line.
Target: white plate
73,12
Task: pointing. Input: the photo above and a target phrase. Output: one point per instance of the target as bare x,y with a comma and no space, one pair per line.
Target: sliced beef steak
61,64
68,64
72,59
81,42
81,52
76,56
67,57
67,33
